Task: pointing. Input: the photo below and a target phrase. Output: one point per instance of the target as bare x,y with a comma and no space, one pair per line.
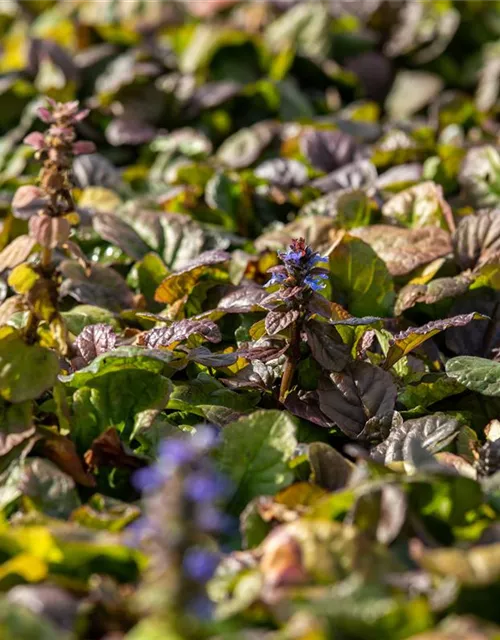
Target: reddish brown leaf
62,452
108,450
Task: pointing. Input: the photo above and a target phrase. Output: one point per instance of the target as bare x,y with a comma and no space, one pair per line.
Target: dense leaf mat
249,320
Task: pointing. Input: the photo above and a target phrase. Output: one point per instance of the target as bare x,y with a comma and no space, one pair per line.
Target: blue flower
200,564
212,520
176,451
292,257
205,438
276,278
201,607
149,479
204,486
298,262
315,259
314,281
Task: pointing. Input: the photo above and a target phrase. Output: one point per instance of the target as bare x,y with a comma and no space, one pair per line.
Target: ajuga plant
298,277
50,210
183,497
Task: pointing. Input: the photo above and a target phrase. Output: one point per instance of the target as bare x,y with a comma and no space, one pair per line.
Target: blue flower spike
300,267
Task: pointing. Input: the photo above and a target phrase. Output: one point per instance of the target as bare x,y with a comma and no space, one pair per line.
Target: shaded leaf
328,150
326,345
111,228
329,468
477,238
62,452
351,397
103,287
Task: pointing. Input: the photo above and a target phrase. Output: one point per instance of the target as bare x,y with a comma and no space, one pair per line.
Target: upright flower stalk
57,149
47,208
299,276
182,519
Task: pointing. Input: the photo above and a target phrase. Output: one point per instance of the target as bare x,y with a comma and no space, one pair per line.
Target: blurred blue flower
176,451
204,486
211,520
149,479
200,564
201,607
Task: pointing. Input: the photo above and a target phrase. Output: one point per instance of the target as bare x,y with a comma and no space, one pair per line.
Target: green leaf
118,399
17,432
254,454
83,315
431,388
47,489
419,206
120,359
103,512
151,271
206,397
362,277
406,341
306,25
477,374
480,176
26,371
369,610
17,621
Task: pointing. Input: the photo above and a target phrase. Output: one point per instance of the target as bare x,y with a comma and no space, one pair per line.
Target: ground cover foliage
249,320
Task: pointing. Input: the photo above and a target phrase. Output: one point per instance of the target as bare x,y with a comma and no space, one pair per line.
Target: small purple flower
314,281
206,437
205,486
298,263
292,257
316,259
200,564
201,607
149,479
210,519
276,278
176,451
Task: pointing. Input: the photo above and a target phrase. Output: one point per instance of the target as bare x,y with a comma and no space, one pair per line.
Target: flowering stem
292,358
46,258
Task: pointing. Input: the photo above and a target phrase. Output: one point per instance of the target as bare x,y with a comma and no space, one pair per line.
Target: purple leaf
353,396
180,331
328,150
326,345
35,140
404,342
94,340
277,321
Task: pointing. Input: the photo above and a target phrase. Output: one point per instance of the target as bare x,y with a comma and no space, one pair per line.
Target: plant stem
292,359
46,258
